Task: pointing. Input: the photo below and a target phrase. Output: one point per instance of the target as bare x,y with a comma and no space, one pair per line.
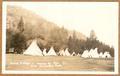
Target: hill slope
35,26
33,21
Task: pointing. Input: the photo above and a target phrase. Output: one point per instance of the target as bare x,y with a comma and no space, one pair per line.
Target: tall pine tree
21,25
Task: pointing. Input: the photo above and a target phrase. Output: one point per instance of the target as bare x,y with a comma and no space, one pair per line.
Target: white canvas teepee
94,53
67,52
33,49
78,54
62,53
85,54
73,54
91,52
51,52
44,52
101,55
106,55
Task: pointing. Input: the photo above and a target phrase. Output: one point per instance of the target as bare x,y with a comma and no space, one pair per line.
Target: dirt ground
57,63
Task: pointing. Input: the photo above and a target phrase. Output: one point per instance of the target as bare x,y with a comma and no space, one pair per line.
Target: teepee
33,49
91,52
94,53
44,52
73,54
78,54
101,55
85,54
61,53
106,55
67,52
51,52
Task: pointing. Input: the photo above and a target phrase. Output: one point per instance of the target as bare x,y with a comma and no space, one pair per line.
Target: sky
102,17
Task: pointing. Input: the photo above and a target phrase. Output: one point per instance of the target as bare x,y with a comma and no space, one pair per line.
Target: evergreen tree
21,25
93,35
18,42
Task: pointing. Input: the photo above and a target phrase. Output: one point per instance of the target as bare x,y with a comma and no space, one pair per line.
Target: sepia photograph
60,37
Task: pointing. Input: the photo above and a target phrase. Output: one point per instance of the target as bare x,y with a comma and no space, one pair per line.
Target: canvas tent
85,54
51,52
67,52
44,52
78,54
94,53
33,49
101,55
106,55
73,54
61,53
90,53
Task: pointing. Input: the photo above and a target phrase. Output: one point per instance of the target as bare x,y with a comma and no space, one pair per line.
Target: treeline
79,46
59,38
15,38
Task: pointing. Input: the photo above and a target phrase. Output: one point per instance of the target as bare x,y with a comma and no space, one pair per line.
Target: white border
3,36
4,13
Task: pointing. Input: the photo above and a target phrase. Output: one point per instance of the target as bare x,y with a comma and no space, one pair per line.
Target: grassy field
59,63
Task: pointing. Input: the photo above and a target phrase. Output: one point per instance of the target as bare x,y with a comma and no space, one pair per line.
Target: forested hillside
23,26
